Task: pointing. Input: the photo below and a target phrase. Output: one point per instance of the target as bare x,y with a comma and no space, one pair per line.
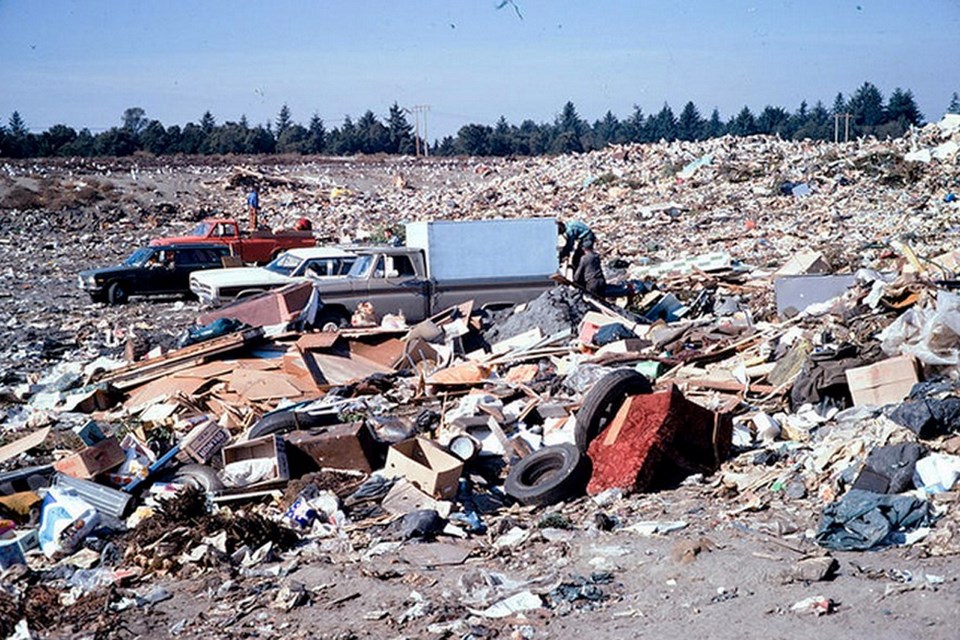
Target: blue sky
83,62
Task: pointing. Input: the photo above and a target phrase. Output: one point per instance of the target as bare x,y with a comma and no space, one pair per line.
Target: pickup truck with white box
494,263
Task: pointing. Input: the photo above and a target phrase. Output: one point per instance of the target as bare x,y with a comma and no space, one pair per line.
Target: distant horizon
82,64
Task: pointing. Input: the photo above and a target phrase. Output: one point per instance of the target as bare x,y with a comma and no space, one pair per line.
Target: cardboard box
203,442
884,382
426,466
340,446
92,461
271,446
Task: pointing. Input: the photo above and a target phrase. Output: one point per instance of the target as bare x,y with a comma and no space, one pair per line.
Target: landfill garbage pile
778,384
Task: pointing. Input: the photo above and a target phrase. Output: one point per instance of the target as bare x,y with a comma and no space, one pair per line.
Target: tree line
870,115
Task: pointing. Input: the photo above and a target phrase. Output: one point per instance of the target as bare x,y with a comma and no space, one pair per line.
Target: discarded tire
116,294
601,403
200,476
284,421
547,476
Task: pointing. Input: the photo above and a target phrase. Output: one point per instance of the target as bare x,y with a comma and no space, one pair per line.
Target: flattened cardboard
885,382
426,466
92,461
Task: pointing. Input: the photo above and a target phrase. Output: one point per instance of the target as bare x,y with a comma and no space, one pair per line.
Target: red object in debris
751,225
303,225
656,435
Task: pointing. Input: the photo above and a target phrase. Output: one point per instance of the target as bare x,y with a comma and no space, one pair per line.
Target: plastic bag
65,521
932,336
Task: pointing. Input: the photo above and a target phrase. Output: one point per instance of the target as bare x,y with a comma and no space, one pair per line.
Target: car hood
118,270
240,277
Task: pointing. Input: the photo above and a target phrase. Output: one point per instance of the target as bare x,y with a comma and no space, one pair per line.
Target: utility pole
417,110
846,126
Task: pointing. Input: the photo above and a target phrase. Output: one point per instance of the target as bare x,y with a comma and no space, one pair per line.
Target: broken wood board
145,371
24,444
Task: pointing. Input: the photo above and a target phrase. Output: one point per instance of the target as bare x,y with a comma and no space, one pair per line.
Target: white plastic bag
65,521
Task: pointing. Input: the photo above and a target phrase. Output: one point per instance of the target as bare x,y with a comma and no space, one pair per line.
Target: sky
83,62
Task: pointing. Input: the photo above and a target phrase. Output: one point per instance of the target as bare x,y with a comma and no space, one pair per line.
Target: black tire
116,293
284,421
603,400
548,476
332,319
200,476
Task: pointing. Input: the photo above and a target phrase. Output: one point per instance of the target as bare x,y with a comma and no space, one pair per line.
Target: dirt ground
721,576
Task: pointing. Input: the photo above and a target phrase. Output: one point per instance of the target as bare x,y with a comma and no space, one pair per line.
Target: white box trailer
467,249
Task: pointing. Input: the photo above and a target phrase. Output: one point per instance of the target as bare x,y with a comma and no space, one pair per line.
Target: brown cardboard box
883,382
426,466
271,446
203,442
92,461
340,446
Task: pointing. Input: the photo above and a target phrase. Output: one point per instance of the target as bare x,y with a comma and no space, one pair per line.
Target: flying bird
513,4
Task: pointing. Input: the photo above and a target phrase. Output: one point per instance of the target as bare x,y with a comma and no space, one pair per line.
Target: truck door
394,286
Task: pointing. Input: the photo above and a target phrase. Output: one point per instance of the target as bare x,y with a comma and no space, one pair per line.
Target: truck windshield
284,264
202,230
361,266
139,257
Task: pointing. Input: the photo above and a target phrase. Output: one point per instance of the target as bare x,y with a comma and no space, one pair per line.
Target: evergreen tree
18,129
744,124
154,139
773,121
344,140
474,140
690,124
634,128
569,131
317,141
501,140
839,105
446,147
606,131
663,126
715,127
866,105
207,123
373,136
284,120
401,131
293,139
902,108
954,106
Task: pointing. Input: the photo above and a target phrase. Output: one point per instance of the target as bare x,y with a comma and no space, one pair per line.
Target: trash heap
764,367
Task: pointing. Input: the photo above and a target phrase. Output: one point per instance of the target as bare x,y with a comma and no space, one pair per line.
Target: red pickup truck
260,246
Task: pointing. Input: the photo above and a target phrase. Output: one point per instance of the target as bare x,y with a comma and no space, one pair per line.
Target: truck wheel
332,320
550,475
116,294
603,400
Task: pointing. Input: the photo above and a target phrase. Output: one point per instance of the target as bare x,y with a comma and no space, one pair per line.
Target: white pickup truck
219,286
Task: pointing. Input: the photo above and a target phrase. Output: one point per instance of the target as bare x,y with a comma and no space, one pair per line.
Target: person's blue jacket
575,232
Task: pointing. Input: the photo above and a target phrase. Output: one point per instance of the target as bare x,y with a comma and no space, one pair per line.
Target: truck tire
603,400
200,476
332,319
116,293
550,475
